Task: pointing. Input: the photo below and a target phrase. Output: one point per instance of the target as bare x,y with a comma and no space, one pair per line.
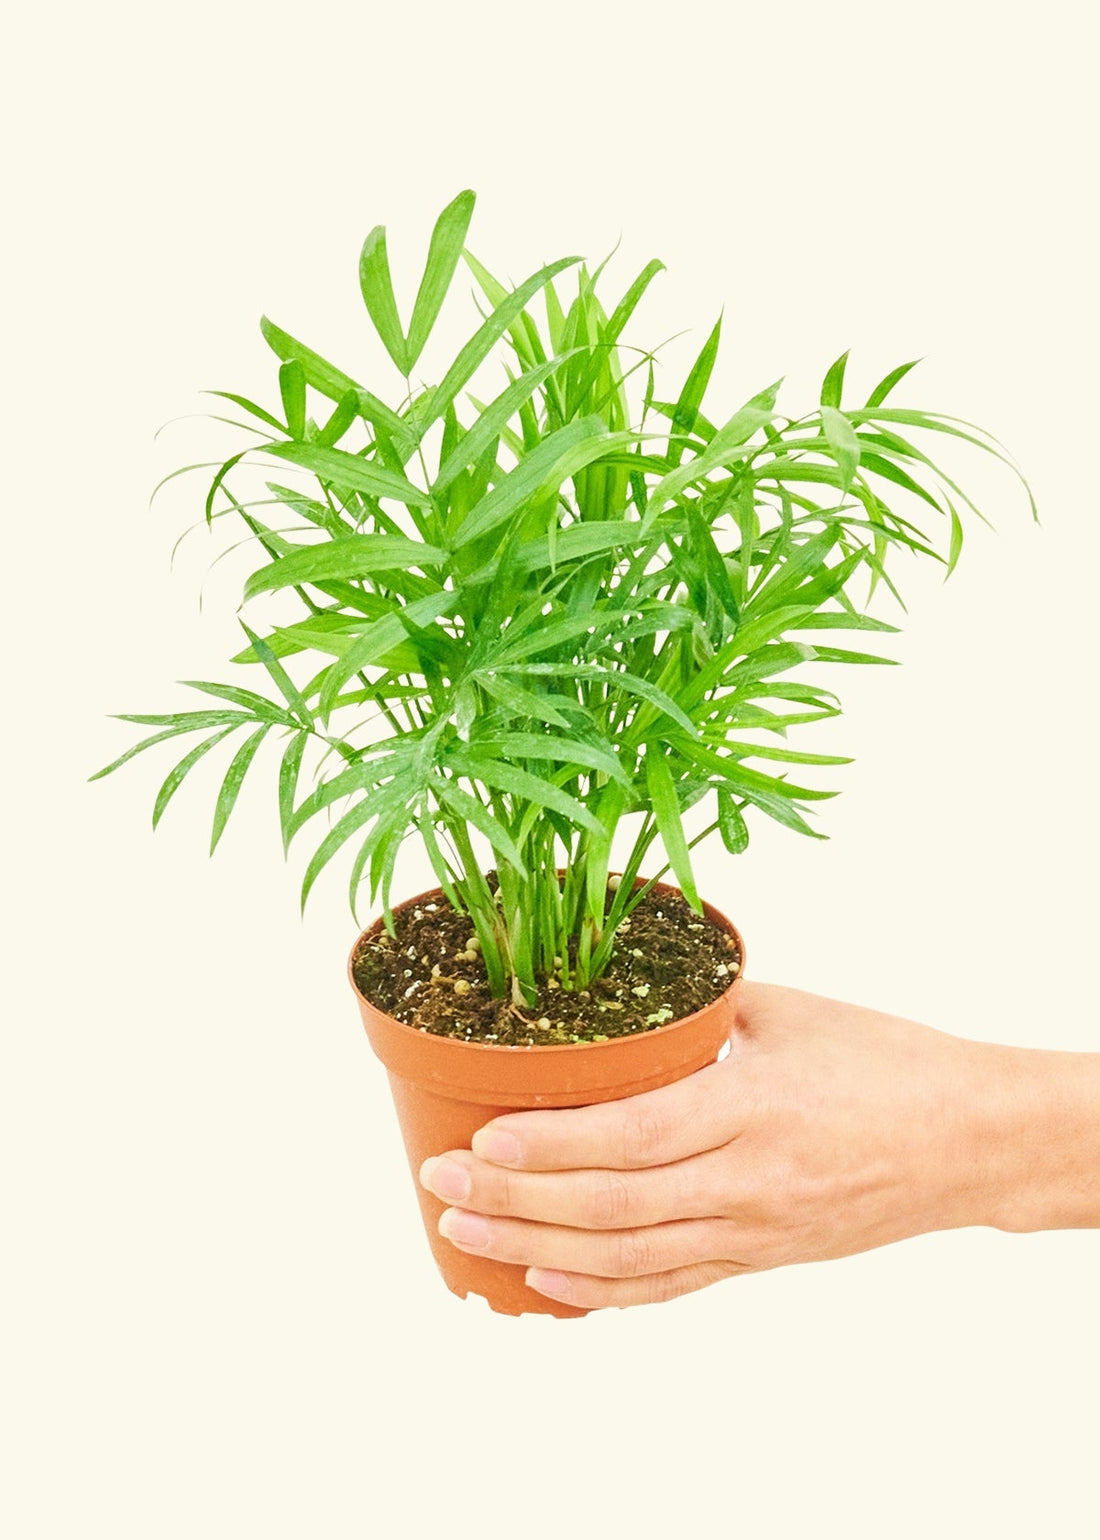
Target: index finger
701,1112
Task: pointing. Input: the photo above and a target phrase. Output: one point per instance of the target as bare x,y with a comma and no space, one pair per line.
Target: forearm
1046,1169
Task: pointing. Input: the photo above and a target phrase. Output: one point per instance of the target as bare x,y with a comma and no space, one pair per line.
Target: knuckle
630,1254
662,1287
609,1201
499,1188
645,1135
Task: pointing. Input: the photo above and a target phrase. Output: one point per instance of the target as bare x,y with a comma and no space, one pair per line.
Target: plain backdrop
220,1315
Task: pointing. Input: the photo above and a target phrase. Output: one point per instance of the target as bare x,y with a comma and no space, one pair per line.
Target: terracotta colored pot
445,1090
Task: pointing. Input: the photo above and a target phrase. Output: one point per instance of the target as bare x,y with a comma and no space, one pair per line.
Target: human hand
828,1129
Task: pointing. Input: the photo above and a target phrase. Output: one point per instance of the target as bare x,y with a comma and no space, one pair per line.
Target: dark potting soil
667,962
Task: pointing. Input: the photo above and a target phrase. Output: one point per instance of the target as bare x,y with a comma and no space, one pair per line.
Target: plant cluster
530,617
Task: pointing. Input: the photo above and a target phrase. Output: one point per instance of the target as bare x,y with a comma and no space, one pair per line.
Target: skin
827,1130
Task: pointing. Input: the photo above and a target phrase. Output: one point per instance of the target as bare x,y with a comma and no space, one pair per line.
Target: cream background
220,1315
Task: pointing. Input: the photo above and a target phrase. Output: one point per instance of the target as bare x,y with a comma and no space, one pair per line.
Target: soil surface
667,962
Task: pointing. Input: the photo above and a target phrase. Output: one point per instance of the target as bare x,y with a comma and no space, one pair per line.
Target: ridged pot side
444,1090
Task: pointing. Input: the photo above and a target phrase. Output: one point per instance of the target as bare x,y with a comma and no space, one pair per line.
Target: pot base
546,1306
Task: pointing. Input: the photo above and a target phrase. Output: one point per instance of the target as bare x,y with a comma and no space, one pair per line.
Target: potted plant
522,626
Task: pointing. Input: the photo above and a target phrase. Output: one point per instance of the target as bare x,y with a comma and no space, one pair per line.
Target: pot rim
417,1034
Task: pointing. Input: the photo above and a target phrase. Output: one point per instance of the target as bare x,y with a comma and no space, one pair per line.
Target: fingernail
446,1178
465,1229
495,1144
547,1282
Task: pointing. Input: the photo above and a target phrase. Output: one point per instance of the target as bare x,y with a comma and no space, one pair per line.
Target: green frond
513,621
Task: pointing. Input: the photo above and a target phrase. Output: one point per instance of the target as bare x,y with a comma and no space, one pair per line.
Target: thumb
701,1112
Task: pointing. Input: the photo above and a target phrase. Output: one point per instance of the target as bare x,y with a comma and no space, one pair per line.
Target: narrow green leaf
806,694
570,751
701,428
539,473
176,775
620,679
610,333
555,316
482,342
222,472
531,642
326,632
833,384
782,811
522,703
787,468
686,409
321,514
351,471
248,406
376,806
523,334
879,465
476,813
844,443
425,822
885,386
186,721
443,254
355,556
481,434
666,810
716,573
787,756
289,770
731,824
231,786
955,550
347,410
841,655
335,384
380,636
392,761
257,705
841,620
292,388
379,847
521,783
728,444
809,557
593,537
770,625
724,671
740,777
939,422
377,287
283,682
146,743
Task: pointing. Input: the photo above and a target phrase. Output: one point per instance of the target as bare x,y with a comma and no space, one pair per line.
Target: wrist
1039,1132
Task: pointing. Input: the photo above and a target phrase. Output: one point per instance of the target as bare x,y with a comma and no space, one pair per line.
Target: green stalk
625,897
482,909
